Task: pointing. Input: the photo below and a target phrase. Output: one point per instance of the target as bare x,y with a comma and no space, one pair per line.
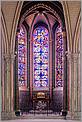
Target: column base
68,117
77,115
73,116
8,115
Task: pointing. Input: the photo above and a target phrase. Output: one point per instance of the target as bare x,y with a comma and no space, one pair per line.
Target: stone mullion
16,84
28,61
31,67
50,67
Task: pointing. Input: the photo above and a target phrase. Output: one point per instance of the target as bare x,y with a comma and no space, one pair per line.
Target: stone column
69,83
7,83
2,82
79,86
7,92
75,86
12,58
8,108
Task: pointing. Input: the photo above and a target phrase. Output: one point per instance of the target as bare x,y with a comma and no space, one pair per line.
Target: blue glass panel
59,57
40,58
22,58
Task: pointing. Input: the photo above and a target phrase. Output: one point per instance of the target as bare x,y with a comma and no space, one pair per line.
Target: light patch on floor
40,120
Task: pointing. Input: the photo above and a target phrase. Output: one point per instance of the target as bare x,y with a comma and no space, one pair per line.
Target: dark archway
29,12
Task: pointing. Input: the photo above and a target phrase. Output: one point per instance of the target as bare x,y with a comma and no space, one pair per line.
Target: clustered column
12,59
8,86
7,83
69,70
73,83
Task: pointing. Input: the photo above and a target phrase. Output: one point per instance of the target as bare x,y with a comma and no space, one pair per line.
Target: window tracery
22,58
40,58
59,55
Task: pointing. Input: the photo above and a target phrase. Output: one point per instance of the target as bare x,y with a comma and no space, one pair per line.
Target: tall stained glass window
59,52
22,58
40,58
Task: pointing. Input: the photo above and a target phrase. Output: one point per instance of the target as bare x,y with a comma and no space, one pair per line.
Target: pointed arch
14,26
77,35
4,34
32,26
68,25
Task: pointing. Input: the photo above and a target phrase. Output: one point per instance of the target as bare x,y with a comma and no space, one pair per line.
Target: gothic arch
77,35
5,38
47,9
68,25
67,20
4,54
18,9
33,27
14,26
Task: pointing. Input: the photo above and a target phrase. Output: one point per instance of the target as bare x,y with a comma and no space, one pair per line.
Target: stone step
40,116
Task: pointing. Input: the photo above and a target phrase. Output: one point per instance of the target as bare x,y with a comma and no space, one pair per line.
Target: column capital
6,58
69,55
75,57
72,56
12,57
9,57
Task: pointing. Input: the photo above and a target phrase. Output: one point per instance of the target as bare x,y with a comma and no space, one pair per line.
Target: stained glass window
22,58
40,58
59,58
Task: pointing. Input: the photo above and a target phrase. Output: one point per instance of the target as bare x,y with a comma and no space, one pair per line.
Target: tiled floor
40,120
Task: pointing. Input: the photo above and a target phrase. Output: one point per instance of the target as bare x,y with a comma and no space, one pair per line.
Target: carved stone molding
9,58
75,57
72,56
69,56
8,115
35,10
12,58
6,58
77,115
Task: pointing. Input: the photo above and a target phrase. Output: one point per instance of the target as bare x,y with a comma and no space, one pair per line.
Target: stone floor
40,120
31,117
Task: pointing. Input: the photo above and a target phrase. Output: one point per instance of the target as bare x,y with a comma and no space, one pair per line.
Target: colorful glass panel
59,57
22,58
40,58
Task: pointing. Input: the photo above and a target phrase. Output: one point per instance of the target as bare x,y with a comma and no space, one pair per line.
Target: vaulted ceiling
46,12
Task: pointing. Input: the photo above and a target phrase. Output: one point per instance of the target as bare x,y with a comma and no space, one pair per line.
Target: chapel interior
40,59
